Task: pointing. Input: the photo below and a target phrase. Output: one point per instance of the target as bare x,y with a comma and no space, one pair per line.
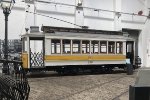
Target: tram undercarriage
94,69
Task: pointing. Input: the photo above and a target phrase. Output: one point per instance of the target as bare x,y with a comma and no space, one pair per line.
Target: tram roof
51,29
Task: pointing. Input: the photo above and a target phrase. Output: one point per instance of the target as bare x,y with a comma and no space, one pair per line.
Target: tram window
94,46
75,46
111,47
119,46
85,46
55,46
103,46
24,40
66,46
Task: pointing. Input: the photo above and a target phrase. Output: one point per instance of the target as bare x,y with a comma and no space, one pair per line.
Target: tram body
76,50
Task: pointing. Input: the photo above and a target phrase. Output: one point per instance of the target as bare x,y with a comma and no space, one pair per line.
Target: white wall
95,19
99,19
144,42
61,12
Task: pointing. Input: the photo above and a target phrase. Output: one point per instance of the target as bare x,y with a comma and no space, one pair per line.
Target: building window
85,46
94,46
76,46
55,46
111,47
103,46
66,46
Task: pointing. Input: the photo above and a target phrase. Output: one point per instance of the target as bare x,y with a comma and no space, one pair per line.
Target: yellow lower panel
108,57
25,60
84,57
65,57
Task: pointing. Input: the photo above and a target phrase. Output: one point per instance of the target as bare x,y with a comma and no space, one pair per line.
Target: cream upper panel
85,36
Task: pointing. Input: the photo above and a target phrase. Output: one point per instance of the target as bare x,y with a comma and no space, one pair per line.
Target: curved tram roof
49,31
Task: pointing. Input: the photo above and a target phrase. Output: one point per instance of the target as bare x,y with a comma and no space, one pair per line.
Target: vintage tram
71,50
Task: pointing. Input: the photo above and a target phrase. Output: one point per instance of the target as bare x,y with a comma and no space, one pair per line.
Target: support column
143,38
117,15
79,13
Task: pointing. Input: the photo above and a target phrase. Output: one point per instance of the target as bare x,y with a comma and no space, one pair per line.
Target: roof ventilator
34,29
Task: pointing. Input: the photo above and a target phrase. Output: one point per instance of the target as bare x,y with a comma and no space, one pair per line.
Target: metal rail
15,85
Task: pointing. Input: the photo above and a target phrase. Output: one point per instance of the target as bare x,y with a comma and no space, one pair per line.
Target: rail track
95,86
118,96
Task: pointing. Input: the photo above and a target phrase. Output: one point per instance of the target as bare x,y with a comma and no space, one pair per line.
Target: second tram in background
68,50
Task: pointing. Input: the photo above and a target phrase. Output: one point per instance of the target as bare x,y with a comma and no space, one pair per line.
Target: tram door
36,53
130,51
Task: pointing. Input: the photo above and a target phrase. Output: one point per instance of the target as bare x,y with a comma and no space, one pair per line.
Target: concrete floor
50,86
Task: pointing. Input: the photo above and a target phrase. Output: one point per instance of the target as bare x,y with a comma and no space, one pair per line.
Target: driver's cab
32,50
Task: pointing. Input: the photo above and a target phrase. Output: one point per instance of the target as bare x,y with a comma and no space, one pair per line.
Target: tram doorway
130,51
36,53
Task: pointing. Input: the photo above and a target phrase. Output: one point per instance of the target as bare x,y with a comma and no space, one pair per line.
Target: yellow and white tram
70,49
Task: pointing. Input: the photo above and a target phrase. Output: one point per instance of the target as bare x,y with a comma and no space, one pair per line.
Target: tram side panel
55,60
82,59
25,60
58,60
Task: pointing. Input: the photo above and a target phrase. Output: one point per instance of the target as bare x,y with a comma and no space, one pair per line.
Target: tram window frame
120,47
74,47
86,47
104,44
64,46
57,50
111,47
94,47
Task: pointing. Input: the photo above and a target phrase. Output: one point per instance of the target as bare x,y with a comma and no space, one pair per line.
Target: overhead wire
143,4
95,9
55,18
49,2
